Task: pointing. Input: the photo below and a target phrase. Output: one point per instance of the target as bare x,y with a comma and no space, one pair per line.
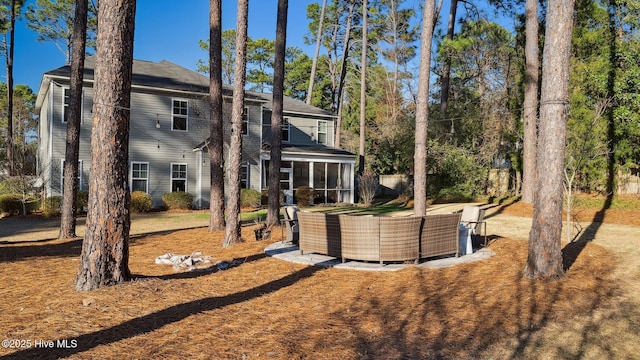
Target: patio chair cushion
292,212
291,221
470,216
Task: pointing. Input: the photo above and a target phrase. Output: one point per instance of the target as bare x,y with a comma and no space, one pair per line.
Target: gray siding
251,142
44,131
55,103
303,130
161,146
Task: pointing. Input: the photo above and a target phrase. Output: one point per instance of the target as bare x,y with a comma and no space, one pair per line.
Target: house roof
316,149
167,76
292,105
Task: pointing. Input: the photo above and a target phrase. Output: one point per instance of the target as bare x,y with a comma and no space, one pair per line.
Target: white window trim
186,179
174,115
326,132
245,113
131,178
286,123
80,163
65,106
245,165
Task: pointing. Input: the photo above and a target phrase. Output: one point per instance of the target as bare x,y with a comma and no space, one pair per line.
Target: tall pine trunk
9,61
105,249
363,89
530,106
79,40
216,136
343,75
273,217
314,64
232,230
545,253
446,69
422,111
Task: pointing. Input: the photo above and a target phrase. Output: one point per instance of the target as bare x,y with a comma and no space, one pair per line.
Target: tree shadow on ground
428,330
26,250
572,250
67,248
158,319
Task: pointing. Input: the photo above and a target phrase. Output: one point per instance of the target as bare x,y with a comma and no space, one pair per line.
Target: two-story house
169,124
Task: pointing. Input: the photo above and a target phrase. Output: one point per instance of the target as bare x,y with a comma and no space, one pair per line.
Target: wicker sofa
380,239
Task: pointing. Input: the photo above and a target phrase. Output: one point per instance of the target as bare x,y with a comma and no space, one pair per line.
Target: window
139,177
180,115
322,132
244,176
66,100
65,105
245,121
285,129
62,176
178,177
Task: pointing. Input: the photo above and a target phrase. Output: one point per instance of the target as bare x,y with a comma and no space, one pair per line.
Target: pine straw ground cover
268,308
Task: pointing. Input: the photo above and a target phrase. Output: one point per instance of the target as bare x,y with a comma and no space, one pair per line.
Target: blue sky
170,30
165,30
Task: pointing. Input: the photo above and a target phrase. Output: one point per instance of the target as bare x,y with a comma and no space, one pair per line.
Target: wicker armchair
291,221
473,218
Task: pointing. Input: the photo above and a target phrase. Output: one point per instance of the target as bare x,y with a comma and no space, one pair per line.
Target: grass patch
257,215
600,202
360,210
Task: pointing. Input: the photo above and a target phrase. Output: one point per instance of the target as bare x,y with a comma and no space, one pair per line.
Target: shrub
82,200
52,206
10,203
264,198
304,196
460,174
141,201
250,198
367,186
454,194
177,200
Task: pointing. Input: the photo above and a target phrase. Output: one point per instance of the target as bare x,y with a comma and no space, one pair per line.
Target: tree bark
232,230
446,70
530,106
9,60
105,249
216,136
343,75
422,111
314,64
273,214
545,253
79,40
363,88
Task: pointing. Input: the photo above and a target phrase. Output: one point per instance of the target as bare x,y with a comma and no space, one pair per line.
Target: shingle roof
169,76
293,105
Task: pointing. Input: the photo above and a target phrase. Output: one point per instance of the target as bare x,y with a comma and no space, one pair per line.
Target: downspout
50,145
260,161
199,180
352,185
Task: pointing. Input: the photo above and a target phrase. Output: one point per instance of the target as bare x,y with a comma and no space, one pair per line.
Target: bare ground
266,308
